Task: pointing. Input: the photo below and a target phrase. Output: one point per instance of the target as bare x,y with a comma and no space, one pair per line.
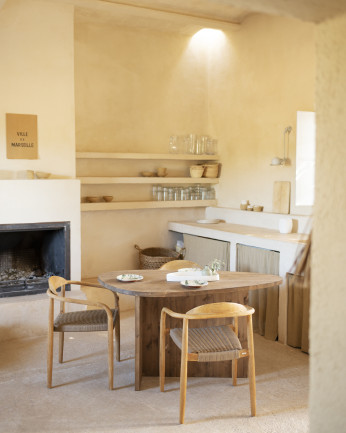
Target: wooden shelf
138,180
86,207
93,180
162,156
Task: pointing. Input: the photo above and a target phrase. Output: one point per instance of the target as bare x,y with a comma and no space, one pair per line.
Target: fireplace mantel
38,201
42,201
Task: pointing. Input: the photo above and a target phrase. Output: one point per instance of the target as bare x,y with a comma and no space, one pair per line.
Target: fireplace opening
30,254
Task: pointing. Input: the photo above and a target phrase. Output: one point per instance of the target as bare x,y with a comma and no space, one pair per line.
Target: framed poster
21,136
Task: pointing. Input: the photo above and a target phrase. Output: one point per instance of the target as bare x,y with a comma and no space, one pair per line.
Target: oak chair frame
209,311
174,265
56,283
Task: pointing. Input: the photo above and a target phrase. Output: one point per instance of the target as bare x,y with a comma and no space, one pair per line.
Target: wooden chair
213,343
174,265
100,319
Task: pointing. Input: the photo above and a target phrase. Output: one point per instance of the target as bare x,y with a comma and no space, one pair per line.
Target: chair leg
61,347
117,337
50,344
183,371
252,378
235,361
110,353
162,361
234,371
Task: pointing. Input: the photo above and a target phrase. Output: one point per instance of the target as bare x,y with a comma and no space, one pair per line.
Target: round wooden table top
154,283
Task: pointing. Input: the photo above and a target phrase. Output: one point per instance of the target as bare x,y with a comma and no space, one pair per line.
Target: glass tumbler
170,193
159,196
192,144
154,193
164,193
173,144
211,148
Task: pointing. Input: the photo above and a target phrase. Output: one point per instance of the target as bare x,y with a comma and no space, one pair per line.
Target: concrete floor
81,402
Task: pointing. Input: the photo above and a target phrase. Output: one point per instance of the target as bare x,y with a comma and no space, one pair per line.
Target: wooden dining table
154,292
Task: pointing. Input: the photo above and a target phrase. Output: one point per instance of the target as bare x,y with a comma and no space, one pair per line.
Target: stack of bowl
196,170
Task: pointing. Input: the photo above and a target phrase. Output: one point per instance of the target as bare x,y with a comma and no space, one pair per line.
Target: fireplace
30,254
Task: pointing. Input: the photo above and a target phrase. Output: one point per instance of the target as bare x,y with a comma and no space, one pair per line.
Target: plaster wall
264,76
328,297
135,87
36,77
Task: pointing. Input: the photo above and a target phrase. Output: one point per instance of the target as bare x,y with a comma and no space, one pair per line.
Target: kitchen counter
227,231
288,245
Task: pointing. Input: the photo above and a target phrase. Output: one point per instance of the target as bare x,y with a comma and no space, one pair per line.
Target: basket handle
137,248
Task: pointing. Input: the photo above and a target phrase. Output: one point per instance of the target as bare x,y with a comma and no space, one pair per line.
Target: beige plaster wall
265,75
328,298
36,77
135,87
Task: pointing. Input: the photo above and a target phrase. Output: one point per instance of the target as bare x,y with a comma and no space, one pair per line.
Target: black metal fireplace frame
65,226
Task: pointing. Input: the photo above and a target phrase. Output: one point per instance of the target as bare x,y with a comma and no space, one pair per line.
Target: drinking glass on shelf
170,193
211,146
177,193
173,144
192,143
185,144
187,192
201,145
159,196
204,193
154,193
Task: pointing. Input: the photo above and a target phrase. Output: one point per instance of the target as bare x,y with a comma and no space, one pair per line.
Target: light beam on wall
208,37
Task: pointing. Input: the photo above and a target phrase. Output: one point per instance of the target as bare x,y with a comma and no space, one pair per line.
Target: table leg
138,344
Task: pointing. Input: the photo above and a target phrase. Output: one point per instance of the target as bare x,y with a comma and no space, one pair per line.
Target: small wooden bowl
107,198
162,172
257,208
92,199
42,175
148,173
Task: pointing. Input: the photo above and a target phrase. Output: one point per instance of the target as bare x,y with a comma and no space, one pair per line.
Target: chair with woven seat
100,319
208,344
174,265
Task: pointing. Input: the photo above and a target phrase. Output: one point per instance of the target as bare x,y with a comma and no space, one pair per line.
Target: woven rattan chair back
210,343
99,318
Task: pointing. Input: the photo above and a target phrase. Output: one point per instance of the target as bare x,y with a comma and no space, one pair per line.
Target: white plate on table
193,284
129,278
215,221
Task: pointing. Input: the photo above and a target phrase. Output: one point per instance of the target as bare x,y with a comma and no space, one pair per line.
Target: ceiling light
208,37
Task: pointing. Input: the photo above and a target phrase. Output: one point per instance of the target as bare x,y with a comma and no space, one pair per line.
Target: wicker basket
211,170
154,258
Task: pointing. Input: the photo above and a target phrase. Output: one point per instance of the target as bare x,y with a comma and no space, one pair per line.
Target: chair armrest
79,301
173,313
